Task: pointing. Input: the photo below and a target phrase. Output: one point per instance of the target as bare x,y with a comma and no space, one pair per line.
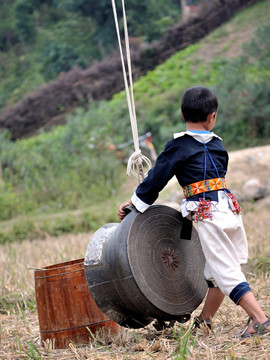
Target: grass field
19,327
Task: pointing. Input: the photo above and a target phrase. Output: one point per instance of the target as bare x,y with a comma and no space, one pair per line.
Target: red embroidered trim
204,210
237,207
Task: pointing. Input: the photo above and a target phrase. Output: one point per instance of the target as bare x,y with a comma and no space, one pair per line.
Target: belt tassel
204,210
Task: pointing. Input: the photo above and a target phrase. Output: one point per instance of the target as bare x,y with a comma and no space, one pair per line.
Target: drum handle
129,208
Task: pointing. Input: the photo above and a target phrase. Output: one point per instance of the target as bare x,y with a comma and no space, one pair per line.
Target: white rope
136,160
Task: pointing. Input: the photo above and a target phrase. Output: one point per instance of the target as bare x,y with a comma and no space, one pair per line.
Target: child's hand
121,212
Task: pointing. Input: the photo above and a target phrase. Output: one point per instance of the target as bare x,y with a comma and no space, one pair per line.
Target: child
198,160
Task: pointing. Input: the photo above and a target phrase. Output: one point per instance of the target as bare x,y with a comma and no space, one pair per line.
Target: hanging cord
136,160
206,152
211,159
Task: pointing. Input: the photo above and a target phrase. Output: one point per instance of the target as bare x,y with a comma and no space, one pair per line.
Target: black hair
197,103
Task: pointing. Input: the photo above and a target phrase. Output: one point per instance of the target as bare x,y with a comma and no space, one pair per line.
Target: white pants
225,248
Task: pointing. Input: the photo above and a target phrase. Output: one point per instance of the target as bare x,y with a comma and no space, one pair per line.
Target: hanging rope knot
135,165
135,157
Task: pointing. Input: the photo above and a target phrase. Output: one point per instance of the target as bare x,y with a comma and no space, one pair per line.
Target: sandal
260,329
198,324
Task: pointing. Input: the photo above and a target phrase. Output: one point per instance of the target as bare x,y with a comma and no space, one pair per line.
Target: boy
198,160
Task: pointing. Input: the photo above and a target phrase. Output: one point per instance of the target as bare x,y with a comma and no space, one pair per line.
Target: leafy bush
24,20
58,170
8,37
145,19
244,89
57,57
9,203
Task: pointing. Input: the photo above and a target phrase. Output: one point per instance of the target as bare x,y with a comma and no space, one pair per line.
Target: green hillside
68,180
39,39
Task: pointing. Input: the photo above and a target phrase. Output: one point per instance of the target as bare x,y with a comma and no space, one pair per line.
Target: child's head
197,103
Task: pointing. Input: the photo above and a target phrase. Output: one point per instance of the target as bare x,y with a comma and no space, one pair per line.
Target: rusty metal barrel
141,269
66,310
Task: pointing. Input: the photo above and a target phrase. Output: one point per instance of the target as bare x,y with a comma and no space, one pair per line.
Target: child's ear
212,116
182,116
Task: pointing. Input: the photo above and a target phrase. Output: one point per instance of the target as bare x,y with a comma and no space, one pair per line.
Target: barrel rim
58,267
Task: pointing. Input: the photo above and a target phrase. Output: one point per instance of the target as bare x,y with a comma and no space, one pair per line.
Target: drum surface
167,269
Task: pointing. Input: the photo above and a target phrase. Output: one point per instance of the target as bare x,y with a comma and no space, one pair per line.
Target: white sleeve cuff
140,205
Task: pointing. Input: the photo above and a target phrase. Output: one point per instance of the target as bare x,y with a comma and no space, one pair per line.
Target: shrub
24,20
57,57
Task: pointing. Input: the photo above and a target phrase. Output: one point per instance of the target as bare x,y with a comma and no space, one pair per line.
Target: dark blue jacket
184,157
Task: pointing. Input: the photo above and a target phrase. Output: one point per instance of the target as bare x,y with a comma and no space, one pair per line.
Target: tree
24,20
147,19
57,57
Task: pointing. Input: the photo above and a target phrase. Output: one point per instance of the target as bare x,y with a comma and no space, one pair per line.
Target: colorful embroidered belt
204,186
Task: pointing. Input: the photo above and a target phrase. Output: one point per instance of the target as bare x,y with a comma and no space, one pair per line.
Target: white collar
201,137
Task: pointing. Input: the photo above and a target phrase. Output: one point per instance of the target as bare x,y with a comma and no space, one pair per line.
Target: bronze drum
141,269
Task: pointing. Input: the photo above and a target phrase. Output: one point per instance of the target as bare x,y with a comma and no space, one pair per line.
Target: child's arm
157,178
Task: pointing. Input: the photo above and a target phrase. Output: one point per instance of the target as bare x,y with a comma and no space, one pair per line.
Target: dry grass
19,328
20,325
